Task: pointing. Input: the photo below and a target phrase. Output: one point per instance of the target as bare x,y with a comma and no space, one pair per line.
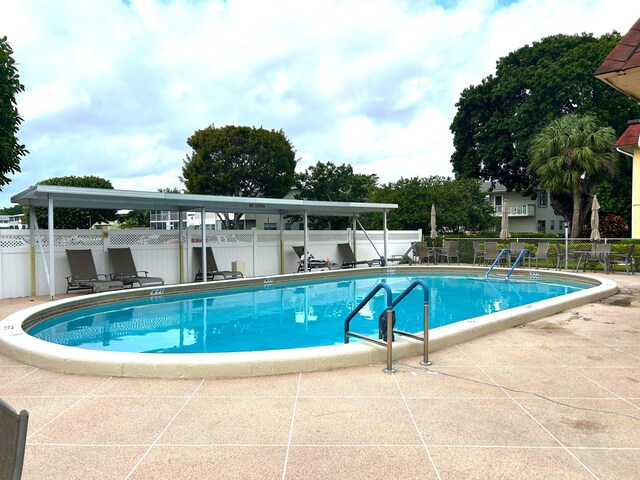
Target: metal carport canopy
78,197
51,196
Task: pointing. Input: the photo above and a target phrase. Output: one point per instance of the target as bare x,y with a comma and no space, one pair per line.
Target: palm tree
569,154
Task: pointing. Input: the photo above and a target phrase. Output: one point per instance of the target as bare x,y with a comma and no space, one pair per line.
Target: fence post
254,241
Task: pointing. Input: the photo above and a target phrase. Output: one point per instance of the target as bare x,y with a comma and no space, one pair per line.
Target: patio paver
575,414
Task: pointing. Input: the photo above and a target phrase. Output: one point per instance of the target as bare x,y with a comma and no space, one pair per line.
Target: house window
542,225
552,225
542,199
270,226
497,204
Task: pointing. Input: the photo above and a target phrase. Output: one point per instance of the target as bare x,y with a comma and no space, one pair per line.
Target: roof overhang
99,198
630,139
621,68
626,81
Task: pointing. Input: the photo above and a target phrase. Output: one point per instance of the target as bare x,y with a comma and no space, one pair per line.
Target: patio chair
449,250
213,273
600,253
349,259
560,256
491,253
542,253
125,270
514,249
84,276
478,253
312,262
423,252
13,437
627,260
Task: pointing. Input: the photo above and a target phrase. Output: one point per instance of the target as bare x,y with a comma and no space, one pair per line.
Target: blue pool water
284,316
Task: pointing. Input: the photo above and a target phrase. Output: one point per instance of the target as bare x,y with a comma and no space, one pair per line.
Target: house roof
75,197
630,138
497,187
621,68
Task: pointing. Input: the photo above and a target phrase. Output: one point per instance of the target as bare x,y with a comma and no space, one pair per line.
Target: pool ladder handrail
515,264
495,262
520,255
389,316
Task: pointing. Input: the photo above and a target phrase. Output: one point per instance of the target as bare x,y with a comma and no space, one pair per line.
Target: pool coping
20,346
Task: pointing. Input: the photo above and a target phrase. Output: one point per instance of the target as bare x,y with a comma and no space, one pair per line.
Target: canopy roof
78,197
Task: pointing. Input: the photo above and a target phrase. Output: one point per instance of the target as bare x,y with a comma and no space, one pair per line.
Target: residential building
621,70
12,221
525,214
164,220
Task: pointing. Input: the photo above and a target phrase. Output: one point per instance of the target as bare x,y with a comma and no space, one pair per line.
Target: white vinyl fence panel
158,252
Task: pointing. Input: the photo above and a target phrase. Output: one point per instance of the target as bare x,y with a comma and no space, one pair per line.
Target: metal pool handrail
495,262
364,301
425,338
520,255
508,252
389,316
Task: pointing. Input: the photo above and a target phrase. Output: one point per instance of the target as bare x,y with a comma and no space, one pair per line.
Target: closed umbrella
595,219
504,228
434,234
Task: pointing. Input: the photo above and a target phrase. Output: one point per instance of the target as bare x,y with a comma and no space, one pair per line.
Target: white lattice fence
158,252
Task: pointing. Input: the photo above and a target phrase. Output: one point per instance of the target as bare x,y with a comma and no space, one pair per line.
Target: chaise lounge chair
212,268
13,437
125,270
349,259
311,261
84,276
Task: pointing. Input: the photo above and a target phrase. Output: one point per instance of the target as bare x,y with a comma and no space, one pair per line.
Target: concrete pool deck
556,398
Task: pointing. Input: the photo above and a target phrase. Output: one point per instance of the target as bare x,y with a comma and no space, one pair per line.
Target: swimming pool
19,345
274,317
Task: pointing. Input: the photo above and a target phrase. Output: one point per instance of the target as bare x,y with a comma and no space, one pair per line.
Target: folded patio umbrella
434,234
595,219
504,228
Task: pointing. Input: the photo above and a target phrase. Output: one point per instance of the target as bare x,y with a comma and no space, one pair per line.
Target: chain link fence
571,252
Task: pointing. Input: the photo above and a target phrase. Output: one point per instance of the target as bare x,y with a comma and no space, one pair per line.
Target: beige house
621,70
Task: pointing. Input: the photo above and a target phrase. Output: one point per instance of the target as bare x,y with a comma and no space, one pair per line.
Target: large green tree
460,205
136,219
532,86
334,183
74,218
569,156
239,162
11,150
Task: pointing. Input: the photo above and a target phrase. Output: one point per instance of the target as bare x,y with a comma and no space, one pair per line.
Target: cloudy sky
114,88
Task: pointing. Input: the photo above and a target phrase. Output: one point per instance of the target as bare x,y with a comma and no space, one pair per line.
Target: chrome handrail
425,338
388,312
389,316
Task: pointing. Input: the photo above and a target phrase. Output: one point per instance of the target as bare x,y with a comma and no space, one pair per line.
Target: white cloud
115,89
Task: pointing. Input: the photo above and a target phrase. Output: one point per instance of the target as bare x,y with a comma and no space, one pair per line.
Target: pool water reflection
284,316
